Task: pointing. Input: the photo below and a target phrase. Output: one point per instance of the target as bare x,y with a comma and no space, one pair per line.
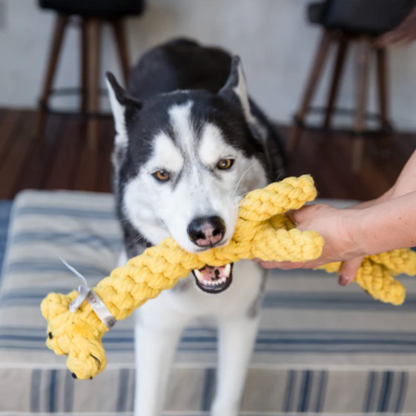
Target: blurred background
278,42
342,94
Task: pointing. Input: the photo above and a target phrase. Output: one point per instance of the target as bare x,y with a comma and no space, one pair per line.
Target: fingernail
343,280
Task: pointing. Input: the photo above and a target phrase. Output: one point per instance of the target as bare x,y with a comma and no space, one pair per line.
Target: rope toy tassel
262,231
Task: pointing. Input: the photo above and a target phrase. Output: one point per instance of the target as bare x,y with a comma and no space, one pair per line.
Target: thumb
349,270
305,213
297,216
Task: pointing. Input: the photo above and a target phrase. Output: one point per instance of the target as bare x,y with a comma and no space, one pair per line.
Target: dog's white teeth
227,269
199,275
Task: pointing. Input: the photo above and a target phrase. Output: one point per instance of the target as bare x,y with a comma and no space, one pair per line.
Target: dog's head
183,161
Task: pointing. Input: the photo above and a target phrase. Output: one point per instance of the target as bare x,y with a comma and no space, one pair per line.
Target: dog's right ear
122,104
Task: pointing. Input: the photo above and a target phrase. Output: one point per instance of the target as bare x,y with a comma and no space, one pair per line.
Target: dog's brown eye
162,175
225,164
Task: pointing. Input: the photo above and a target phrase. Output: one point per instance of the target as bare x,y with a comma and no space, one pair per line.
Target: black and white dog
190,143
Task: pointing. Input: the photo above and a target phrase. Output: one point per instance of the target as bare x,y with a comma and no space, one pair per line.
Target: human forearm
388,226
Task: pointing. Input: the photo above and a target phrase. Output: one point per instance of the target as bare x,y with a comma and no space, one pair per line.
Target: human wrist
354,226
387,196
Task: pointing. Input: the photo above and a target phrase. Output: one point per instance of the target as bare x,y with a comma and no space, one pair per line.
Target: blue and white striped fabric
320,349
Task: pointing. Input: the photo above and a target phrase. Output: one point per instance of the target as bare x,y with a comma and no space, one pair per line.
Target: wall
271,36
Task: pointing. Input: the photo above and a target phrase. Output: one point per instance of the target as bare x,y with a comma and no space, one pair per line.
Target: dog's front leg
155,350
237,338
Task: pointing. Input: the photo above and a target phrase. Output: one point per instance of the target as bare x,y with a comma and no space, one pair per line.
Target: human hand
342,230
336,227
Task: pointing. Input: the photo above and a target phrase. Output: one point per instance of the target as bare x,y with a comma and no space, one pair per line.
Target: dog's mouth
214,279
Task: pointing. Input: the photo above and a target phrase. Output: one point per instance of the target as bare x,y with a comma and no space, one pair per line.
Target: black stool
344,22
92,14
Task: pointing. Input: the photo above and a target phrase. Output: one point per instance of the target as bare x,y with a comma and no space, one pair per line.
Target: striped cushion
320,348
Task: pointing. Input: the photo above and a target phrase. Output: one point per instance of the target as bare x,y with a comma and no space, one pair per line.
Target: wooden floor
62,160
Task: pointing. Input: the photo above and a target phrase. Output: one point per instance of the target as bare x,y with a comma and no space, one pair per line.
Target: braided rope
262,231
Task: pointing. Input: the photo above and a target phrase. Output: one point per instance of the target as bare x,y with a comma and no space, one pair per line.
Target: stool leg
363,63
94,46
55,49
84,65
382,77
122,46
317,69
336,78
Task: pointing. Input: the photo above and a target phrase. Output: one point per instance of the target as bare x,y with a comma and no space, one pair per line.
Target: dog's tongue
213,275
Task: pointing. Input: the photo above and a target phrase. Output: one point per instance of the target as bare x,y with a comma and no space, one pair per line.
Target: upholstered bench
321,348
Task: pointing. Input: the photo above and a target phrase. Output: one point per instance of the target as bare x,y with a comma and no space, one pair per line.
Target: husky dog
189,145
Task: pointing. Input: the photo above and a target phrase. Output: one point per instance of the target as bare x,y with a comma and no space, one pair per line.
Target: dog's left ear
122,105
235,89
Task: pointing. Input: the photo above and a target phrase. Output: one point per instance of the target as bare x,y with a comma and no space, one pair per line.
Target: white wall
272,37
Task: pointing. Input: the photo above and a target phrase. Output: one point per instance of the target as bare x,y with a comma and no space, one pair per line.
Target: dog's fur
187,108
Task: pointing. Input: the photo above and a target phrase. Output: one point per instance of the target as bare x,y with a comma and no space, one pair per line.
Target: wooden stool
92,15
344,25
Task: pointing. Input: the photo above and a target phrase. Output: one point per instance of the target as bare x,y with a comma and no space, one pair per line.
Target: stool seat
360,17
316,13
96,8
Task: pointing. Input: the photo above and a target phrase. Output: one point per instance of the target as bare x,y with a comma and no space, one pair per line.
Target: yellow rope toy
262,231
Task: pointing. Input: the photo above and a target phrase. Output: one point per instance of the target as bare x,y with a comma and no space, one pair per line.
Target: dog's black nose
206,231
